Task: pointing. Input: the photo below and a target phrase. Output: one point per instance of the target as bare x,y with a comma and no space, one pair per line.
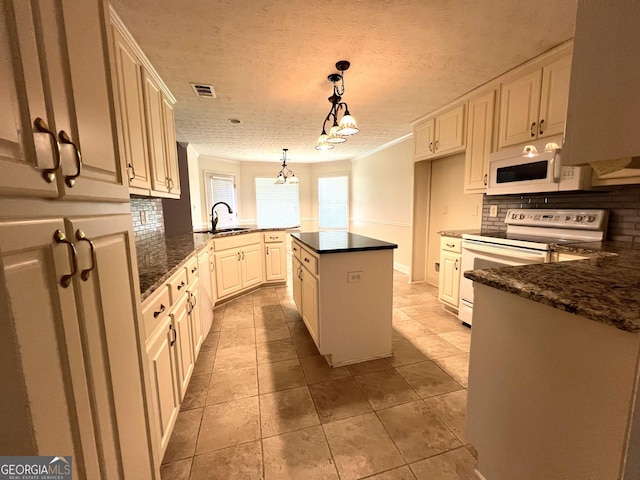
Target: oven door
477,255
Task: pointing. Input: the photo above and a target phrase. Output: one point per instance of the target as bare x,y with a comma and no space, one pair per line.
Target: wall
381,193
177,212
450,208
623,203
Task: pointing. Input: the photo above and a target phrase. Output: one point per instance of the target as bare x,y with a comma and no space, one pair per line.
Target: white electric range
530,238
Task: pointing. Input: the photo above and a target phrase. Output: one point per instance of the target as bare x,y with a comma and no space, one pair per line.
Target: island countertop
340,242
603,288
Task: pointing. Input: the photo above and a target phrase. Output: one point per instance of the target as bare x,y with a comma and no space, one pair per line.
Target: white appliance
530,238
535,168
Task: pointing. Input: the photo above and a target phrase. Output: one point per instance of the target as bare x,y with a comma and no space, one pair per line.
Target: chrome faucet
214,214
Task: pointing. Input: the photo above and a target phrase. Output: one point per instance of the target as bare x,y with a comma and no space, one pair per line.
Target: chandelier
347,125
285,175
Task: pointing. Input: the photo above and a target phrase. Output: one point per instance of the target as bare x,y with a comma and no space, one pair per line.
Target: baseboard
401,268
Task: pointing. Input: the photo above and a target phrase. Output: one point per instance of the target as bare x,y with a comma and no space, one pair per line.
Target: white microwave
535,170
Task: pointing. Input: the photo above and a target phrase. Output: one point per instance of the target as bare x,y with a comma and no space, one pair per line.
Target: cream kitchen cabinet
440,135
147,124
207,298
480,117
449,281
534,105
305,292
275,256
181,322
58,136
238,263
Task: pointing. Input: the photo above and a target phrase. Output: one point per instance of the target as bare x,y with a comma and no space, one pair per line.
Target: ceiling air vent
203,91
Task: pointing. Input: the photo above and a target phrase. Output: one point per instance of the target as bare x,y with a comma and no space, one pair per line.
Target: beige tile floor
263,404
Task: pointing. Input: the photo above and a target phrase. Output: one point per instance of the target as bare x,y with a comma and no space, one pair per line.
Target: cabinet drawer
270,237
177,285
235,241
296,249
451,244
191,267
309,261
155,309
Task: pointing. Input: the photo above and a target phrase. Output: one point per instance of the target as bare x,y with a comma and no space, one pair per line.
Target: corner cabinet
534,105
440,135
479,142
449,281
238,263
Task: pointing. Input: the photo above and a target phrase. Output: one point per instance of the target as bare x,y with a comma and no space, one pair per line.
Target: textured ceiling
269,60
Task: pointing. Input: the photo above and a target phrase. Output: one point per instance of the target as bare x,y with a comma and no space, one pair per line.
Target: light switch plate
493,210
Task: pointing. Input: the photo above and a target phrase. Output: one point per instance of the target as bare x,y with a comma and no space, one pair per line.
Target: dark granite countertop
340,242
160,256
603,288
457,233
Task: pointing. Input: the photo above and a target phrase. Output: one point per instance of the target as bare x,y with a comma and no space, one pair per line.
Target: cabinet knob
49,174
70,180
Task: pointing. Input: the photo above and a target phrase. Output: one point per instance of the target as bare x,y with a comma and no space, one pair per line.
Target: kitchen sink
229,230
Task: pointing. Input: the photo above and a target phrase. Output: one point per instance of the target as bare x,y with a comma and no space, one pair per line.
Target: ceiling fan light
348,126
334,137
323,144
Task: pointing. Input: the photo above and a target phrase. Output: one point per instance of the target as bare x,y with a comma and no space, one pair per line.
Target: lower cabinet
238,263
195,305
182,324
275,260
449,281
305,296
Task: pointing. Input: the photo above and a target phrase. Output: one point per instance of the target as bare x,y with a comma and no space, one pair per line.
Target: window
333,202
221,188
277,205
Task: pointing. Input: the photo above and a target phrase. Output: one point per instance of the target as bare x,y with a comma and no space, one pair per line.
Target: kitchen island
343,288
553,374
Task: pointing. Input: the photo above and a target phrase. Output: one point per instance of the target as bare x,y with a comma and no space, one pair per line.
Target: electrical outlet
355,277
143,217
493,210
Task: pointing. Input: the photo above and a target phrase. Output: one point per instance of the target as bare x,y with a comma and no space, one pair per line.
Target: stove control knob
514,215
567,218
591,218
579,218
521,217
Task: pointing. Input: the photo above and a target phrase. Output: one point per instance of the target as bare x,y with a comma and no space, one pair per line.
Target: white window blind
333,202
222,189
277,205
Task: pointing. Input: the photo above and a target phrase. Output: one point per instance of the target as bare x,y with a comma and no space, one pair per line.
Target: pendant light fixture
347,124
285,175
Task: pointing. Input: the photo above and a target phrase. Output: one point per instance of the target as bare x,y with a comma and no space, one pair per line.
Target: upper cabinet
147,123
534,105
604,103
479,142
440,135
58,133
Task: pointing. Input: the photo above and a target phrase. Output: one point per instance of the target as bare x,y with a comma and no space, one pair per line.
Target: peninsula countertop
340,242
159,256
603,288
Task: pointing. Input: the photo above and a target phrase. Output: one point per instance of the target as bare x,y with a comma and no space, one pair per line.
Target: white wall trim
384,146
402,268
380,222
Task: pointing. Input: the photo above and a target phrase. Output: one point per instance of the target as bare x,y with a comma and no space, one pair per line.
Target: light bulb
323,144
334,136
348,126
529,151
293,179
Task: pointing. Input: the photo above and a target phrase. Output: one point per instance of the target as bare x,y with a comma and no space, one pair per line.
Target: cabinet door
423,139
519,104
206,298
228,272
449,133
554,97
195,317
449,284
180,320
310,305
82,98
128,84
45,392
479,141
171,148
164,387
297,282
275,266
113,344
155,135
251,266
27,156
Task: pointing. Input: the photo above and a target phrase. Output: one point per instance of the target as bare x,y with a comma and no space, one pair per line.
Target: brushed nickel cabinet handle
532,129
540,127
485,179
49,174
80,235
162,309
60,237
70,180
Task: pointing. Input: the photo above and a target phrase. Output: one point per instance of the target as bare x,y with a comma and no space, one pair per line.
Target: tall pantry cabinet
72,366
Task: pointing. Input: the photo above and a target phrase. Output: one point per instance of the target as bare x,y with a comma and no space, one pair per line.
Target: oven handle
504,250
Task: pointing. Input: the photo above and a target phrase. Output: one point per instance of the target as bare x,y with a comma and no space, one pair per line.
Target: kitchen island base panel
551,394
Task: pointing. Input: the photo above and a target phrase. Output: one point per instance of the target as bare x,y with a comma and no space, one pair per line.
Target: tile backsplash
151,208
623,203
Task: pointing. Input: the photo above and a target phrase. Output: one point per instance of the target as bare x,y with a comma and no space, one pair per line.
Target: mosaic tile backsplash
623,203
154,225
